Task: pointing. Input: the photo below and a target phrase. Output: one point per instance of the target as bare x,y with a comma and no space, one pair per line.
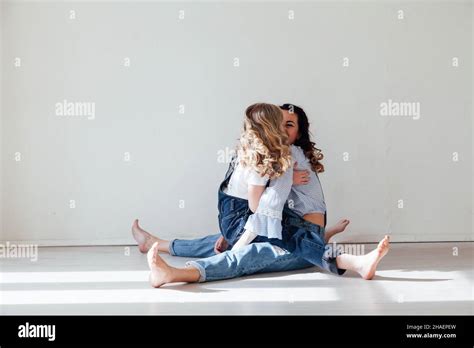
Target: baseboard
350,238
401,238
73,242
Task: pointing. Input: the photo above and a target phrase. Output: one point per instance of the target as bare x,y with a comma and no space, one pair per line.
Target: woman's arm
255,192
300,177
266,220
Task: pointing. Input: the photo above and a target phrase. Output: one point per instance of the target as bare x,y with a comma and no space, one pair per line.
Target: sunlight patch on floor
167,295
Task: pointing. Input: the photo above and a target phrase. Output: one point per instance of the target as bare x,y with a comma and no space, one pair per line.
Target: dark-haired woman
303,244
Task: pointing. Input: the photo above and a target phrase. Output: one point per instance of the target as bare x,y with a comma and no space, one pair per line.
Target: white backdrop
167,83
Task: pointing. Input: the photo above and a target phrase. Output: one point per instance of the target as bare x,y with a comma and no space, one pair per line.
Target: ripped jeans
253,258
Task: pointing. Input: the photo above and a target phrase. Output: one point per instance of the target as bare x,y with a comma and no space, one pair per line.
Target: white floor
414,278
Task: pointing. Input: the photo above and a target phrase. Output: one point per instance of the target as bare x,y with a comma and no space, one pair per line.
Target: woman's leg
161,273
253,258
145,240
365,265
309,243
200,247
248,236
335,229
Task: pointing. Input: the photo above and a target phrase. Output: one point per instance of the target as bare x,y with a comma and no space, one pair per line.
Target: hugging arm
255,193
266,220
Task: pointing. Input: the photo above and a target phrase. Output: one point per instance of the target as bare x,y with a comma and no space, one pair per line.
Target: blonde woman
263,156
306,239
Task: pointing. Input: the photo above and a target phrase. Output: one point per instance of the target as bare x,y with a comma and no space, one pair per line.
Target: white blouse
241,179
303,199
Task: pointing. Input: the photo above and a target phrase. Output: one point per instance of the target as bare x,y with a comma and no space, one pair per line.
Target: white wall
472,122
1,125
191,61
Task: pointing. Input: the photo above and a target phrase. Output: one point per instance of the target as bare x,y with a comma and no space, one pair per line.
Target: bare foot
161,273
337,228
144,239
370,261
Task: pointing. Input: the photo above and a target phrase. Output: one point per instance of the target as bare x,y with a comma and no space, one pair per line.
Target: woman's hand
300,177
221,245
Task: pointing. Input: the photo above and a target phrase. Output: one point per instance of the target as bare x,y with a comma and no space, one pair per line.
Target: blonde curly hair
263,143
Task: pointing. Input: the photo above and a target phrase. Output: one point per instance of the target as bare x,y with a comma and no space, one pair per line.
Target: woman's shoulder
250,175
255,178
297,153
295,149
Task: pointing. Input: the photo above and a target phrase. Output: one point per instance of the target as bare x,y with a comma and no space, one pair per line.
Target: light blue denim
253,258
200,247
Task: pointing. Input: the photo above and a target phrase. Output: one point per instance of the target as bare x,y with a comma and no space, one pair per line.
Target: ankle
164,246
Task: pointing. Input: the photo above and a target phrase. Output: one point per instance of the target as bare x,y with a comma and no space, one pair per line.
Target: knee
243,254
265,250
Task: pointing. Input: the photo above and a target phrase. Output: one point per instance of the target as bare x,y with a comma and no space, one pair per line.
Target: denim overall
233,211
299,236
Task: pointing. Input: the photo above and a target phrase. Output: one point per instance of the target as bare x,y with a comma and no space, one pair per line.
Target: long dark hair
304,140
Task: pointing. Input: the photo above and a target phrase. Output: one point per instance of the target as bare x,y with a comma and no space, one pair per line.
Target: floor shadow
400,279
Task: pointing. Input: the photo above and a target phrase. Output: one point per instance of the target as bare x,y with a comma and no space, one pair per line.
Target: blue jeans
299,237
200,247
251,259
